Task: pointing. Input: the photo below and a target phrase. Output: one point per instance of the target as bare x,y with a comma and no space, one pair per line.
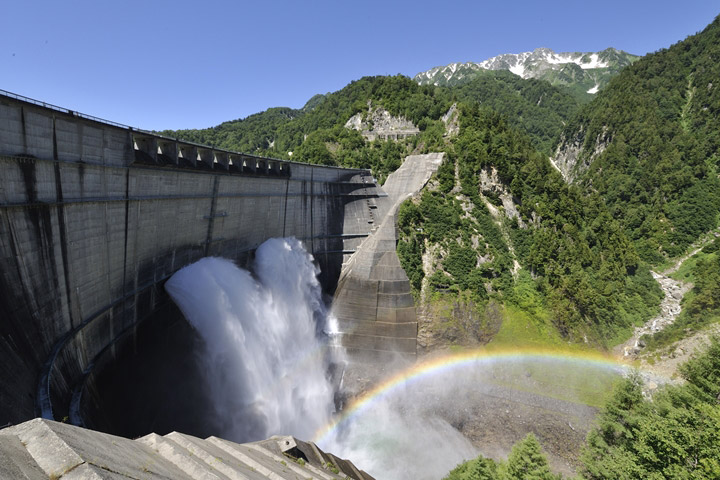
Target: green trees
655,143
525,462
483,469
253,134
706,299
583,264
674,435
532,106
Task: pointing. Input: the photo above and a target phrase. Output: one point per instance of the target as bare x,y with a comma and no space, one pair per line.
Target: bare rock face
377,123
566,158
571,160
451,121
491,184
444,324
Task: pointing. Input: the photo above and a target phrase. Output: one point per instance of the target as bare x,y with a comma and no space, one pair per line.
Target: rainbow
447,363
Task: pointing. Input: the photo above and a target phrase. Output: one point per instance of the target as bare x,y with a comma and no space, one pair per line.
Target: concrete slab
87,471
181,458
50,452
40,448
59,448
16,462
380,344
288,445
385,329
270,468
215,457
302,470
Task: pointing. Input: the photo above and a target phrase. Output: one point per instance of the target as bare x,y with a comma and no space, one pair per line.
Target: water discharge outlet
265,335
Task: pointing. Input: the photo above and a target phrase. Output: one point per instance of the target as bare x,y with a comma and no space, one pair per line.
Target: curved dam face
95,216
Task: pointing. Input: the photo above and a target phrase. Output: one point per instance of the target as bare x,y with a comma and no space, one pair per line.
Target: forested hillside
530,105
501,223
254,133
650,145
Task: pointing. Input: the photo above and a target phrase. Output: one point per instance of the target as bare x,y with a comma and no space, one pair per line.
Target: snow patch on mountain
518,70
594,62
542,63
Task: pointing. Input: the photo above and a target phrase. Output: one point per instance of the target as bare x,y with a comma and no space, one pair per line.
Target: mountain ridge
583,72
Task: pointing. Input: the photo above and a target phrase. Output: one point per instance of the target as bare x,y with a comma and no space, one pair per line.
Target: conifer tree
527,461
483,469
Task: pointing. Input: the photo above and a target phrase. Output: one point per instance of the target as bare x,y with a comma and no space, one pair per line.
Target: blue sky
180,64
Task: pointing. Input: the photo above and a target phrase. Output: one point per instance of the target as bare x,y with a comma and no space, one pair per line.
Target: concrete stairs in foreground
44,449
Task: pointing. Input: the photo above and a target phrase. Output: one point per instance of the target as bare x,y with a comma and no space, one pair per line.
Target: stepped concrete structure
373,301
45,449
95,216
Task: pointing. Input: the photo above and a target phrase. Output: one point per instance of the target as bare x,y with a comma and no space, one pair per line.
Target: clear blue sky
180,64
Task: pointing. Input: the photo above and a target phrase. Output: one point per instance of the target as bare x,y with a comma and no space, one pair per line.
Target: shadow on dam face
154,383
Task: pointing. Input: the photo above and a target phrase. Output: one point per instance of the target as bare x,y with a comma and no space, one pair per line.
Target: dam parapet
95,216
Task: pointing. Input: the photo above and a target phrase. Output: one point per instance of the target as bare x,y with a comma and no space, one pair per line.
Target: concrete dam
95,216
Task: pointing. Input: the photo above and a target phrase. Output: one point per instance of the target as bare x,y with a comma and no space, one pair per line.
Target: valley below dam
262,353
268,350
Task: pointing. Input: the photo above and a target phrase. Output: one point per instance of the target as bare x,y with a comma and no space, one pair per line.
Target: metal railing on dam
94,216
146,147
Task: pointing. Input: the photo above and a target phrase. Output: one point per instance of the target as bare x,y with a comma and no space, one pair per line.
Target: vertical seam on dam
127,221
60,209
24,129
287,188
211,218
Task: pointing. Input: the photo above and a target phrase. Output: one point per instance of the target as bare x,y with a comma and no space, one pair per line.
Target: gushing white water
265,357
267,373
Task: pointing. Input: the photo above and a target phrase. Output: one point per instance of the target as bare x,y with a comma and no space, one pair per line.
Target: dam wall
95,216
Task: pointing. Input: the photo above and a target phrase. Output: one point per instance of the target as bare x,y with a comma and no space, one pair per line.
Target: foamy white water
266,364
267,369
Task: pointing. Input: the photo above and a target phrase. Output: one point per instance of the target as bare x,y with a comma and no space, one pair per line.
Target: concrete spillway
95,216
373,301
